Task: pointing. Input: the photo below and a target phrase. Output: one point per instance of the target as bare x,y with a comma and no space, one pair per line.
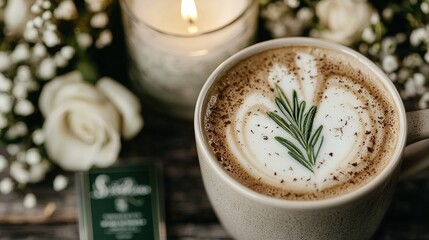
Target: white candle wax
170,63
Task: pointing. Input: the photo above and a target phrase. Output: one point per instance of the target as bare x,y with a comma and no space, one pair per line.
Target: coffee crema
359,118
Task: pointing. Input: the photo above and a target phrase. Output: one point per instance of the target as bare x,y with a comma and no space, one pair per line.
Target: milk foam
353,129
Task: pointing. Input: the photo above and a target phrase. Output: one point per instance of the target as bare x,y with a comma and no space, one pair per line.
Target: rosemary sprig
298,124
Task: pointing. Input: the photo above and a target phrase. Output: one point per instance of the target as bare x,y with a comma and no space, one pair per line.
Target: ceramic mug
246,214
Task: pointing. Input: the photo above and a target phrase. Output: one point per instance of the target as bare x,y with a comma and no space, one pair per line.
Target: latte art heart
358,123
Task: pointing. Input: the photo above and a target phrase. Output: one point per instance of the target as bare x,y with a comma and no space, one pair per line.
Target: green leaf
299,125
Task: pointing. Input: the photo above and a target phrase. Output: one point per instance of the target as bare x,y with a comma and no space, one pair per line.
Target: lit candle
175,45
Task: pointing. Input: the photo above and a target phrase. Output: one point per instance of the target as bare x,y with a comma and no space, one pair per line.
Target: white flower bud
375,18
23,107
424,7
60,61
32,157
47,15
388,45
38,22
99,20
3,122
423,102
19,173
60,183
6,185
19,129
50,38
387,13
418,36
39,50
30,201
5,61
20,90
46,4
419,79
36,9
23,73
3,163
368,35
21,53
427,56
47,69
390,63
292,3
37,172
5,103
84,40
66,10
67,52
31,34
12,149
38,137
104,39
305,14
5,83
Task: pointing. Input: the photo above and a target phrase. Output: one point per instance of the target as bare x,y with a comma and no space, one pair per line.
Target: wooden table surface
188,212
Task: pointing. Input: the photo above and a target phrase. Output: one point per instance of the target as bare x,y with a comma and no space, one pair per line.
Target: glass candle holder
171,54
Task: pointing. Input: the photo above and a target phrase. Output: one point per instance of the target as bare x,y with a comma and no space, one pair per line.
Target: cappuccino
357,117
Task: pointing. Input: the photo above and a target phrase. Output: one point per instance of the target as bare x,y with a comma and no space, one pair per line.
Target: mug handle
416,155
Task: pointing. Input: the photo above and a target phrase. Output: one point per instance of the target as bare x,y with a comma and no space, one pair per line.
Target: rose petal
49,92
65,144
16,15
126,103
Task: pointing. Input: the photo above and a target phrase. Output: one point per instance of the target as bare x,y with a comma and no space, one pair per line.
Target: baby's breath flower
3,121
47,15
6,185
423,102
424,7
19,129
32,157
388,45
5,61
427,56
20,53
60,61
99,20
19,173
5,103
418,36
292,3
5,83
390,63
387,13
12,149
67,52
60,183
30,33
104,39
38,136
47,69
84,40
3,163
23,107
30,201
66,10
50,38
39,50
368,35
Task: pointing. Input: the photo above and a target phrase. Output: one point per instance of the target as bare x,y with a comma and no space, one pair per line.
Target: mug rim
368,187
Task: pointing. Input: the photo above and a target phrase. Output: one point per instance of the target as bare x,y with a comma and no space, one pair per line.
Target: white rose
16,14
343,20
84,122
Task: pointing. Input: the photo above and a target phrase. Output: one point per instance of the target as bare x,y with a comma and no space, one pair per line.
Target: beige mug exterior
247,215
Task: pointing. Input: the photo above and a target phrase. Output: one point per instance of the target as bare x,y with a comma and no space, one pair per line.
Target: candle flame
190,14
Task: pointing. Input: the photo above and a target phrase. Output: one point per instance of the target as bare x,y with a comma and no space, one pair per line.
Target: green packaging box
121,202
